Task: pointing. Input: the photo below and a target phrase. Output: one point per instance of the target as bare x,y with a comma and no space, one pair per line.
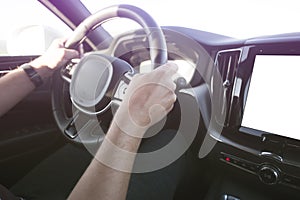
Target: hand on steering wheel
148,99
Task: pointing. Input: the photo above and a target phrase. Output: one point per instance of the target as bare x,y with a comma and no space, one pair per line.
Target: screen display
273,101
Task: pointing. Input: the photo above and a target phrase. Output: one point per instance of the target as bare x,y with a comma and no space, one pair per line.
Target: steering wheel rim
157,43
158,55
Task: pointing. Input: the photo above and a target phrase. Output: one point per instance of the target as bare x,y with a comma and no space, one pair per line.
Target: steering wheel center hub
91,79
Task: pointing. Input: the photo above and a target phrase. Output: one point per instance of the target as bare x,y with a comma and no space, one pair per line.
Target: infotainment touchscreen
273,101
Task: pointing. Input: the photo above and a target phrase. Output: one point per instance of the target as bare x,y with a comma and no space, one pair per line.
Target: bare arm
104,182
16,85
148,99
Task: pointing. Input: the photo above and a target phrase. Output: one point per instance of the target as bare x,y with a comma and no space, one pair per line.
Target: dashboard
252,98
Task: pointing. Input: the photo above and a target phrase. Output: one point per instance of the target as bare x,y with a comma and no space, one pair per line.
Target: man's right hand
148,99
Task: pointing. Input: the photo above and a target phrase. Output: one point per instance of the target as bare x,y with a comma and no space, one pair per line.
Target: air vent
226,65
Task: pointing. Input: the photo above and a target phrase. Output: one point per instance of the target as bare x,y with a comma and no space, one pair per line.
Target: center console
260,108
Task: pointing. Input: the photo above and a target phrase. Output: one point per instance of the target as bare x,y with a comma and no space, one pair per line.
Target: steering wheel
88,81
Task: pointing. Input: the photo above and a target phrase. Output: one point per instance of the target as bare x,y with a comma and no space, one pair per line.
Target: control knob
269,174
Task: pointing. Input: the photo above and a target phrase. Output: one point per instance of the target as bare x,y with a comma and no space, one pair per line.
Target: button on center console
268,174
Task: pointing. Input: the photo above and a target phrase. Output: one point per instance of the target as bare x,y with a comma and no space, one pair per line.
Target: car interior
237,107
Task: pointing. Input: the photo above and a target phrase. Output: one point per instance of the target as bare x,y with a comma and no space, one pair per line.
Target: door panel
28,131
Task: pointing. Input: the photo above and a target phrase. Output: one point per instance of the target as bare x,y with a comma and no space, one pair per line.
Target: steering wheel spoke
91,132
121,87
67,71
84,128
70,128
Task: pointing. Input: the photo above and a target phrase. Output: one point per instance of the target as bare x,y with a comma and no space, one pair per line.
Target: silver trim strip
4,72
90,112
271,155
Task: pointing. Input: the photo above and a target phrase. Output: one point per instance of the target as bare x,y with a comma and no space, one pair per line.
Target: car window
27,28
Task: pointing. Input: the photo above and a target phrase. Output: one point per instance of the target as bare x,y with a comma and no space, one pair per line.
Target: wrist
121,139
32,74
124,122
118,150
42,69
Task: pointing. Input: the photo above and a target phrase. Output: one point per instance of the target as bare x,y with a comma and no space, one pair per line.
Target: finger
170,108
163,75
71,53
171,84
167,101
59,42
172,98
80,49
171,68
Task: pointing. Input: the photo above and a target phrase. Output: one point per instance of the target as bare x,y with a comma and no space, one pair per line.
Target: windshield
234,18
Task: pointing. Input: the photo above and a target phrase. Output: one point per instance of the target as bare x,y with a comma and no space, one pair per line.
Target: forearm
16,85
108,175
